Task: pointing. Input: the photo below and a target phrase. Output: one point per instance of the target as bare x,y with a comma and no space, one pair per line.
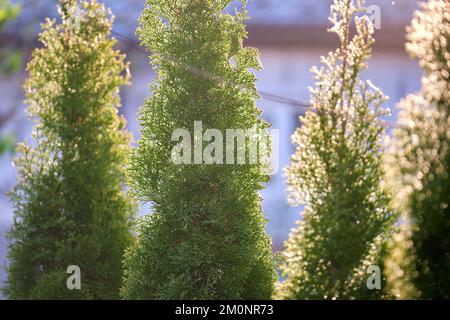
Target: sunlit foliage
336,173
418,165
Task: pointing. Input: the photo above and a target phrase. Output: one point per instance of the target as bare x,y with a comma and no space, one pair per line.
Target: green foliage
7,12
419,165
10,60
205,238
70,208
7,144
336,173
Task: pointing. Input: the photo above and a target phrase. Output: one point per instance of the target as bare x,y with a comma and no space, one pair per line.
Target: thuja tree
419,264
205,237
336,173
70,208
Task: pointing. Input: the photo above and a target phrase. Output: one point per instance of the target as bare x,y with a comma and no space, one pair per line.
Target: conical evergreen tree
70,208
419,165
205,238
336,173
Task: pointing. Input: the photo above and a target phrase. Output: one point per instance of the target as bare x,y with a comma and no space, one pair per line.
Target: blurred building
291,36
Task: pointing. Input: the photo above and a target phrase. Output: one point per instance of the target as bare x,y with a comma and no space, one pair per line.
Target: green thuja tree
70,207
205,237
336,173
419,165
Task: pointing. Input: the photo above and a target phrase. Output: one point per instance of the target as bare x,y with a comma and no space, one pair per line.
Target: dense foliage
419,165
336,173
70,208
205,237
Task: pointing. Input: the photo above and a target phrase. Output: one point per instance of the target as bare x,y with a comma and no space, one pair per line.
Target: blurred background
291,36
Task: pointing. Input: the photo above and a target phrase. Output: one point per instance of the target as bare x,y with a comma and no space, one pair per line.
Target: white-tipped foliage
336,173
